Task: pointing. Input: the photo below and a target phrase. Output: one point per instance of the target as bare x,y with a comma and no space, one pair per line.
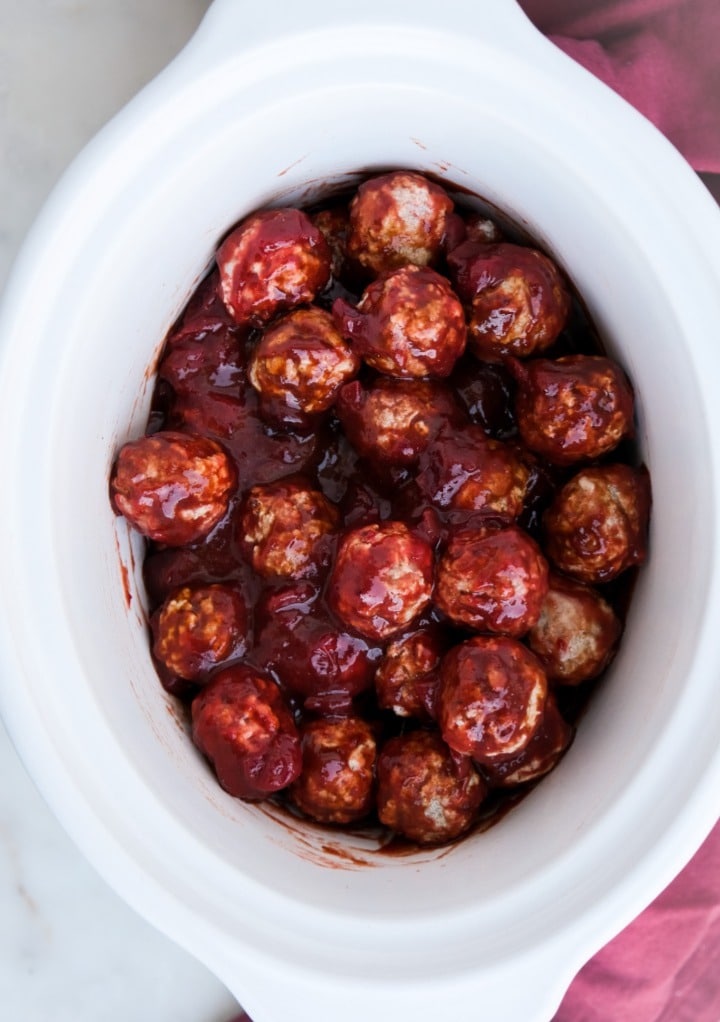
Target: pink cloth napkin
663,56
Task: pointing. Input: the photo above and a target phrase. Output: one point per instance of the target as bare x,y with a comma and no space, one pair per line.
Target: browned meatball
540,755
241,723
273,261
574,408
576,634
392,421
597,525
335,226
407,677
517,299
300,364
284,528
173,487
337,783
463,469
409,324
482,230
425,792
397,218
492,580
492,697
382,579
198,627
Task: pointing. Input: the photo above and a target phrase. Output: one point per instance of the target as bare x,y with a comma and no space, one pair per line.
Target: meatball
271,262
517,299
541,754
198,627
392,421
396,219
173,487
576,633
321,666
491,698
425,792
408,324
284,529
596,527
300,364
241,723
492,580
574,408
407,677
382,579
337,783
462,469
334,223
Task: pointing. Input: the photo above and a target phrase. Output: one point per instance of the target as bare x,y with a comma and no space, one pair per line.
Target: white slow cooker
268,104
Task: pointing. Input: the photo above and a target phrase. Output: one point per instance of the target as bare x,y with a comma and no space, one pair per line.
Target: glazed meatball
574,408
396,219
491,699
320,665
408,324
272,262
284,529
335,226
300,364
173,487
462,469
241,723
541,754
596,527
198,627
492,580
392,421
576,634
382,579
337,783
517,300
407,677
425,792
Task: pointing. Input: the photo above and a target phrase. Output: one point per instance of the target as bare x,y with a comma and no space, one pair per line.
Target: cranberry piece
382,579
426,792
408,324
493,580
517,299
596,527
337,783
396,219
272,262
172,487
543,752
491,698
407,677
241,723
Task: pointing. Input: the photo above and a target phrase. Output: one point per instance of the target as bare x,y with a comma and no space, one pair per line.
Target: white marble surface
70,949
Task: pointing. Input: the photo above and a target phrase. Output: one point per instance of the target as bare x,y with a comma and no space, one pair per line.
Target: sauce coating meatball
284,528
337,783
574,408
541,754
273,261
334,223
408,323
463,469
300,364
425,792
241,723
576,634
407,677
391,422
172,487
382,579
517,299
396,219
596,527
492,697
198,627
493,580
